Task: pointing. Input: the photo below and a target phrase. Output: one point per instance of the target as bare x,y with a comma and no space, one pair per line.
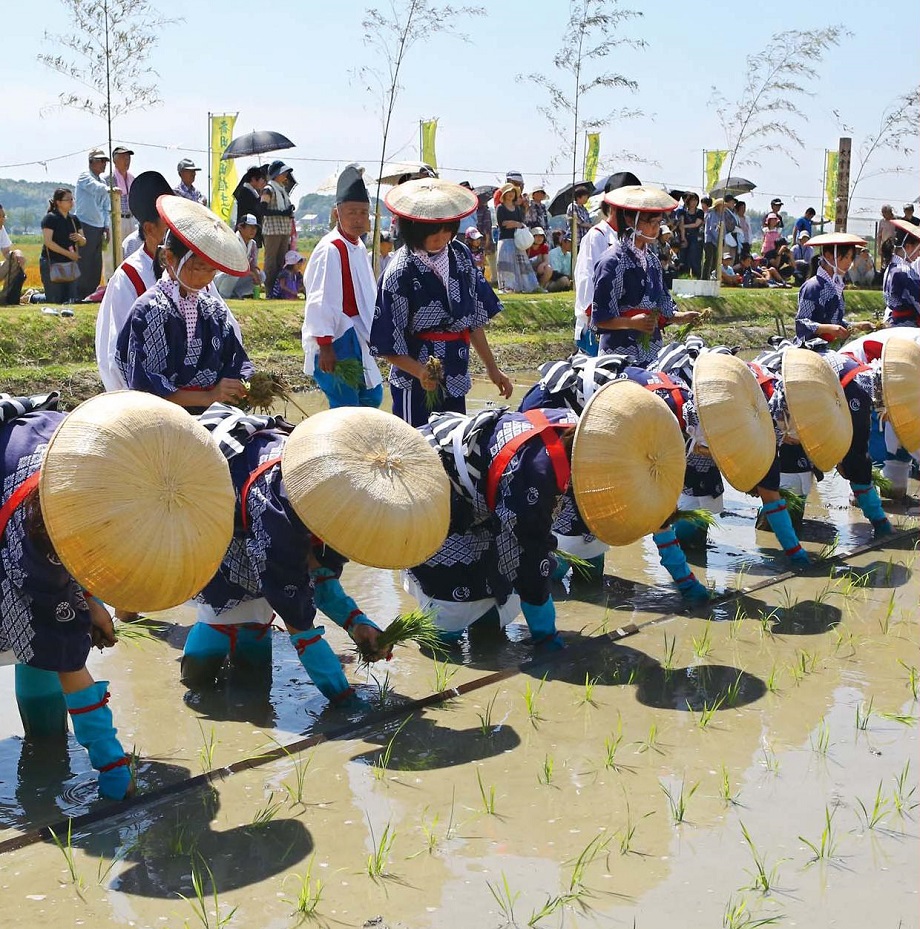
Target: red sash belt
664,382
16,498
638,311
244,494
764,378
852,373
462,336
232,631
548,432
903,313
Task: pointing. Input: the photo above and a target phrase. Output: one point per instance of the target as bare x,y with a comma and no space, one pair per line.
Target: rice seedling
764,877
913,678
382,761
830,549
826,847
903,798
795,503
430,829
737,622
597,847
844,638
415,626
444,673
265,814
766,621
726,794
139,632
583,567
684,331
770,761
198,905
545,775
702,646
379,858
206,752
384,689
905,719
882,483
531,696
295,792
587,697
884,622
874,817
103,871
485,718
488,799
701,519
611,746
864,714
677,804
628,832
309,893
705,716
670,645
65,847
650,742
182,842
741,576
733,691
350,371
263,389
505,899
821,741
435,370
736,916
853,585
772,680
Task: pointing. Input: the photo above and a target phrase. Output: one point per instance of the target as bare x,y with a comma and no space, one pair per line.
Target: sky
300,78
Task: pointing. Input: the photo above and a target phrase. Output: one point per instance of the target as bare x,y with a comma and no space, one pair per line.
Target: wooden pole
843,184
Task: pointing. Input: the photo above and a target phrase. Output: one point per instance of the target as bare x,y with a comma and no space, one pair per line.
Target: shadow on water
803,617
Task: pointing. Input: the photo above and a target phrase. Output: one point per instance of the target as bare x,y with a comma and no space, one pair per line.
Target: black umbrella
565,196
615,182
732,185
257,143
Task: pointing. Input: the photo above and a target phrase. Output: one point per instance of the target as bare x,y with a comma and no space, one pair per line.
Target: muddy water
790,664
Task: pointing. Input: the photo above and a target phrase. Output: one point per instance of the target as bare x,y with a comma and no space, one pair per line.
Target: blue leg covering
251,649
868,501
324,668
330,597
541,621
675,563
690,533
561,569
92,726
778,517
206,650
41,703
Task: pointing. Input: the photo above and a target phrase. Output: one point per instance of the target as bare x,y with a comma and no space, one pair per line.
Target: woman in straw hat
901,284
631,303
515,272
159,534
508,472
821,310
179,341
433,304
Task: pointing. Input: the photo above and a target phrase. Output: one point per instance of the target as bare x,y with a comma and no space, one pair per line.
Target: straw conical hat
641,198
431,200
205,233
628,463
735,419
817,406
137,500
836,238
368,484
904,226
901,389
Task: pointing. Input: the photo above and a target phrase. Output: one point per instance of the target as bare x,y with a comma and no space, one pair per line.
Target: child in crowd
289,282
772,230
475,242
538,253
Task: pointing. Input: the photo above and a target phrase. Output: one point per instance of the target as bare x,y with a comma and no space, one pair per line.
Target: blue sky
305,87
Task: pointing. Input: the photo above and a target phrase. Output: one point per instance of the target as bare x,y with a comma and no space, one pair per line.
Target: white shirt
596,241
131,243
323,315
5,241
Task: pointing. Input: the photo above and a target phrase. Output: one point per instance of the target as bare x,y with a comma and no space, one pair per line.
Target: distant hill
26,202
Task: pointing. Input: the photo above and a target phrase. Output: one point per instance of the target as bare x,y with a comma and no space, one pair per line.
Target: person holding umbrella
251,197
631,303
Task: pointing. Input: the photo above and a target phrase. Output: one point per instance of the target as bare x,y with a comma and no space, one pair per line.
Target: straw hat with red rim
901,389
638,198
431,200
829,239
205,233
907,227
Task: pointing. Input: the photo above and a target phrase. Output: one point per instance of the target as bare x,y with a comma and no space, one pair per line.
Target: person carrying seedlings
821,306
125,501
291,483
433,304
133,277
179,341
624,457
631,303
901,283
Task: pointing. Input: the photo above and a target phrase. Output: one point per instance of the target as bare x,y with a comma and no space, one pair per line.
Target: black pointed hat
142,199
351,187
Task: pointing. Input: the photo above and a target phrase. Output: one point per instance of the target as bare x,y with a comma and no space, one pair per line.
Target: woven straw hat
735,419
905,226
137,500
431,200
368,484
639,197
836,238
628,463
205,233
817,406
901,389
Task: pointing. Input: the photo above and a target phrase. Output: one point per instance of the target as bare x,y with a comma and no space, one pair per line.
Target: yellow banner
429,131
592,153
830,186
223,173
714,162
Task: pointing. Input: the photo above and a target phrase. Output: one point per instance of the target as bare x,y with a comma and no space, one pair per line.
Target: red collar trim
345,235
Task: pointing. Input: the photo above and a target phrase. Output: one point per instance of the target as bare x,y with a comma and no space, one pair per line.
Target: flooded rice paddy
755,760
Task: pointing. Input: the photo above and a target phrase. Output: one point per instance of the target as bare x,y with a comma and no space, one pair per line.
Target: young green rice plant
505,899
612,745
770,761
138,632
206,752
350,371
103,870
582,566
198,905
597,847
382,761
435,370
733,691
864,714
728,796
821,740
772,680
545,775
766,621
677,802
736,916
736,624
430,830
873,816
764,877
650,742
905,719
65,847
627,834
587,698
826,847
415,626
670,646
379,858
295,791
309,893
265,814
845,638
263,389
488,798
884,622
902,796
795,503
913,678
552,905
741,575
829,550
882,483
444,673
706,715
787,601
702,646
384,688
485,718
531,695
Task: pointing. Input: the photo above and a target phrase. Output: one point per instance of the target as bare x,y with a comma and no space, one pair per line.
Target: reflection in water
699,687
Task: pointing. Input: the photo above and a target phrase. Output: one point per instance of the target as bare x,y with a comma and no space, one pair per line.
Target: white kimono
324,314
596,241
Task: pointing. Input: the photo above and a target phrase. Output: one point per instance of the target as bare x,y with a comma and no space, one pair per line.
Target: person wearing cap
537,213
802,253
278,220
122,178
631,303
433,303
180,341
579,211
901,283
776,205
772,231
132,278
251,197
341,293
474,240
92,206
538,253
821,306
289,284
188,174
243,288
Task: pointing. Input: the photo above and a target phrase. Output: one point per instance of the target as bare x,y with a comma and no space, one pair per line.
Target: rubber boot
541,621
778,517
42,707
93,729
868,501
675,563
488,628
330,597
206,650
689,533
251,653
324,668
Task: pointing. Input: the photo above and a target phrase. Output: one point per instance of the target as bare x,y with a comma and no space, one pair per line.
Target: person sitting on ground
750,276
12,267
538,253
862,272
231,287
289,282
802,253
560,261
729,276
783,261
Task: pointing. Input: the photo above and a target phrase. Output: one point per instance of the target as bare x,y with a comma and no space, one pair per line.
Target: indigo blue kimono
624,280
860,392
902,293
820,302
